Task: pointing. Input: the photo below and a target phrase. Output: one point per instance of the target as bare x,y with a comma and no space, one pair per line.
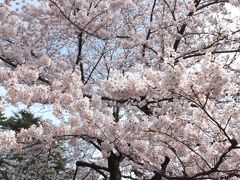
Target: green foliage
23,119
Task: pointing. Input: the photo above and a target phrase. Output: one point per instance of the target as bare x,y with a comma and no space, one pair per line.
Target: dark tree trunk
158,176
113,166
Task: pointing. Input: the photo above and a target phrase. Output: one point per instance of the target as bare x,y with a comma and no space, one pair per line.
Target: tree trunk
113,166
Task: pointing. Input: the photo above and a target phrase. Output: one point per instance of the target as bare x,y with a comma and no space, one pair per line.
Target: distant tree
2,117
24,120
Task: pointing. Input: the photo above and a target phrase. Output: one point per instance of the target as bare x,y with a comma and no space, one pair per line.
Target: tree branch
183,27
113,167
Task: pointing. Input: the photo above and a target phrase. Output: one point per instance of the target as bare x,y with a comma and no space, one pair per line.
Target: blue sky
43,111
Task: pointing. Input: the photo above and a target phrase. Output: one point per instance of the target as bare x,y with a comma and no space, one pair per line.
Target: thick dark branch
158,175
211,3
153,6
123,37
149,30
183,27
8,62
146,110
80,43
79,56
165,163
214,52
116,110
113,167
92,166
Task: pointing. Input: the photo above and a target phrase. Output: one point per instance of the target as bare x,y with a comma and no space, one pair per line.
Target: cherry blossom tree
151,87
